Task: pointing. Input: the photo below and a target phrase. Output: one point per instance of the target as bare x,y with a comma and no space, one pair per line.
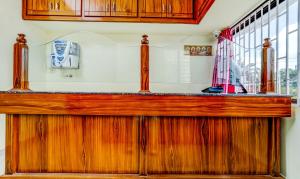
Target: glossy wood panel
149,146
148,11
153,8
53,7
126,8
76,144
268,68
144,104
180,9
20,68
145,80
97,7
208,146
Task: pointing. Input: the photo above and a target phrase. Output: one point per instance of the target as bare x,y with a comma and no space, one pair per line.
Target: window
278,20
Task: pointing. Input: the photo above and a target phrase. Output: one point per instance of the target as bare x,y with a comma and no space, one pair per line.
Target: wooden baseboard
94,176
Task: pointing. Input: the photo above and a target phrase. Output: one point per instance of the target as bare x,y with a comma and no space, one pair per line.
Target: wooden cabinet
127,8
97,7
180,8
122,8
53,7
158,11
167,8
153,8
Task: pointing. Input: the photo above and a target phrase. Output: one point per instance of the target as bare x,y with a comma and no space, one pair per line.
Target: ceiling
223,13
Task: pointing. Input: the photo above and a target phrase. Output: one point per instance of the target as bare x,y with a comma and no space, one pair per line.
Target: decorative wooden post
267,68
20,76
145,65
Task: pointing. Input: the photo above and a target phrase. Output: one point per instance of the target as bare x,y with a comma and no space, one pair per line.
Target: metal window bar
245,77
277,45
287,84
249,56
269,13
255,69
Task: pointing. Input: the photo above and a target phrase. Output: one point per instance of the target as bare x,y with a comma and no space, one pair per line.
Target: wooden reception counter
126,135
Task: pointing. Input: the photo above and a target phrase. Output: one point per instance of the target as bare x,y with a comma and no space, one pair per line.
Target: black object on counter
213,90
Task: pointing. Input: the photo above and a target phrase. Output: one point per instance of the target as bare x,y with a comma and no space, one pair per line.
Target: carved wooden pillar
20,71
145,65
267,68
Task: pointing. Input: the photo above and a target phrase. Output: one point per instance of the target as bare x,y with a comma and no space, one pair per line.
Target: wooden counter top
139,104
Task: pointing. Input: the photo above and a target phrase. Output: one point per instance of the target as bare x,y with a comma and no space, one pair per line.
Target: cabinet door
180,9
153,8
54,7
125,8
97,8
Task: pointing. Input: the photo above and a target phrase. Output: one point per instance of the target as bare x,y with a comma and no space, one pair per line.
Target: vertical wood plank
274,147
142,146
212,146
111,145
11,149
145,65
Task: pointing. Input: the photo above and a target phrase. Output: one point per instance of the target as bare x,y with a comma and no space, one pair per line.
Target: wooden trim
20,69
145,65
144,105
11,150
268,68
81,176
202,11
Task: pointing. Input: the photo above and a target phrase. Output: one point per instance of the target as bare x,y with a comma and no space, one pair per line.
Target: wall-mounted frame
198,50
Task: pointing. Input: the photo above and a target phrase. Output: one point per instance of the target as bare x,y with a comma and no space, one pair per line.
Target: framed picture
198,50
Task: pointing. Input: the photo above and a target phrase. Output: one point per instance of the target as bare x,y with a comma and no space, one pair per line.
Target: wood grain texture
180,9
145,65
146,11
153,8
268,68
208,146
12,147
94,8
77,144
20,68
69,176
144,105
144,146
53,7
124,8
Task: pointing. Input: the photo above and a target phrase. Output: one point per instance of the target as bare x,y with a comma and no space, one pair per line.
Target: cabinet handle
163,8
170,8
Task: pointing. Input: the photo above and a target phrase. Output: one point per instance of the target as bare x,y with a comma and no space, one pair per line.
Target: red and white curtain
223,74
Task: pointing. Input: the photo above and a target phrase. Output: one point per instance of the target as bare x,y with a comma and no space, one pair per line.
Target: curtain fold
224,74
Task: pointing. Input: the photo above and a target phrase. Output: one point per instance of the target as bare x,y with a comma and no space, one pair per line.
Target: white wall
291,145
111,63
